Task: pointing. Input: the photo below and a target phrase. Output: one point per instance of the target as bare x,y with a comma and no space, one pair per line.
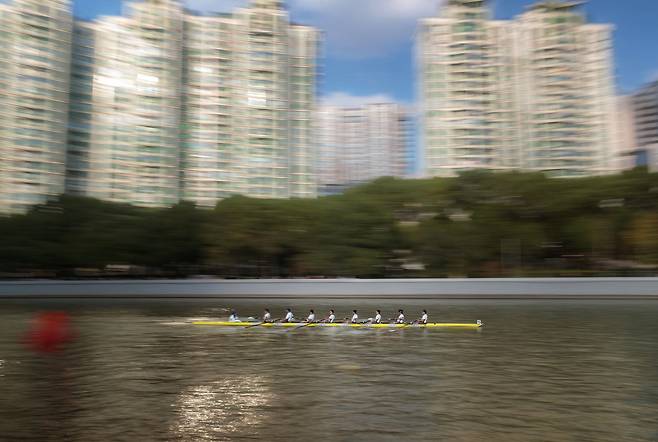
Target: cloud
353,28
365,28
343,99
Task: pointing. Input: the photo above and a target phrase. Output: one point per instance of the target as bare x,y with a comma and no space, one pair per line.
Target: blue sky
368,50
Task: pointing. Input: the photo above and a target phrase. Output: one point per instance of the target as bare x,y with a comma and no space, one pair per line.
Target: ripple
574,371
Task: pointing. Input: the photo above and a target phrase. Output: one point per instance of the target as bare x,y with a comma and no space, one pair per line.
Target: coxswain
331,318
267,316
400,319
233,317
289,316
378,317
355,317
311,316
424,318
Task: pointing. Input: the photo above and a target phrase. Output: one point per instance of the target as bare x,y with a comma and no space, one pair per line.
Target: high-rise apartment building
134,151
359,144
645,114
163,104
627,143
535,93
645,110
80,115
35,40
249,97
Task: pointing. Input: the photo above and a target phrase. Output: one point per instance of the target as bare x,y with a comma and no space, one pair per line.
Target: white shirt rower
289,316
233,317
267,317
378,317
355,317
400,319
311,317
332,317
424,318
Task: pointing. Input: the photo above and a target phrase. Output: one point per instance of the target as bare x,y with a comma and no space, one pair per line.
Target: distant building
535,93
645,108
642,109
627,142
359,144
35,41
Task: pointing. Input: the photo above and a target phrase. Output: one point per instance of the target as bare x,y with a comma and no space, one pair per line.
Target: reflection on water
221,407
545,371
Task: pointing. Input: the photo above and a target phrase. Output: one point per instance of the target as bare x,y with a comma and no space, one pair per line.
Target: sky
368,44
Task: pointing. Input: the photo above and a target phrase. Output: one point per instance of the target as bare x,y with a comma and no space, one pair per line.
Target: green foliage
479,224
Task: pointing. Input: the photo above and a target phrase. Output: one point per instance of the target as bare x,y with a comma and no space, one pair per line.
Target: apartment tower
359,144
35,40
535,93
249,95
155,106
645,113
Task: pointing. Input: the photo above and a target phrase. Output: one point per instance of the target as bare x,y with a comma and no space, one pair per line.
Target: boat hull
338,324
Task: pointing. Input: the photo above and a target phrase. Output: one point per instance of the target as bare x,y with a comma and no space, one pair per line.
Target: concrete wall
522,288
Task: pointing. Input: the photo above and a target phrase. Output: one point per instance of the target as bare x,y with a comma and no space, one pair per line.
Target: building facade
535,93
155,106
134,154
35,40
644,104
626,136
645,110
360,144
249,80
79,129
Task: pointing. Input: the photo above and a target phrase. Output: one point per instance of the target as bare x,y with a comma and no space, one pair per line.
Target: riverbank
507,288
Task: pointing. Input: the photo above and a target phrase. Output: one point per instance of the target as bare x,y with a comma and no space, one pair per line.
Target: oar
263,322
301,326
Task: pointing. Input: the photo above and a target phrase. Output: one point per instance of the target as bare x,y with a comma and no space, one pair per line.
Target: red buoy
50,332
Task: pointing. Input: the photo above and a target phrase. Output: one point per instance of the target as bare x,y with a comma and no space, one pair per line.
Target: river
138,370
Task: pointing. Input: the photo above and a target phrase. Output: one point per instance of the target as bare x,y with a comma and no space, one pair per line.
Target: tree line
479,224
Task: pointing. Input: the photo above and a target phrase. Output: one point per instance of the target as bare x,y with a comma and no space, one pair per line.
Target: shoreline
499,288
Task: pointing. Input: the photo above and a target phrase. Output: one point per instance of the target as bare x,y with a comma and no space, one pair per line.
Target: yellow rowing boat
473,325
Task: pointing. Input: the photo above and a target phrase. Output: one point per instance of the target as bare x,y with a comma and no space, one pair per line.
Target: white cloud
343,99
365,28
353,28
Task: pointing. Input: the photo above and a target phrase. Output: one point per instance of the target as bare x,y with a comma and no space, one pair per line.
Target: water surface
538,371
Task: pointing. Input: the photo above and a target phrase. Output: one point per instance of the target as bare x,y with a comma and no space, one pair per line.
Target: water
543,371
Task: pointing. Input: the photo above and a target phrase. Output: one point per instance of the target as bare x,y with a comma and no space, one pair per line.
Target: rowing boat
337,324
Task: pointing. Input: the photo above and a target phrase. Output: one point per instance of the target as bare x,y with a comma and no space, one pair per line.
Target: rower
267,317
400,319
233,317
311,317
378,317
355,317
331,318
289,316
424,318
